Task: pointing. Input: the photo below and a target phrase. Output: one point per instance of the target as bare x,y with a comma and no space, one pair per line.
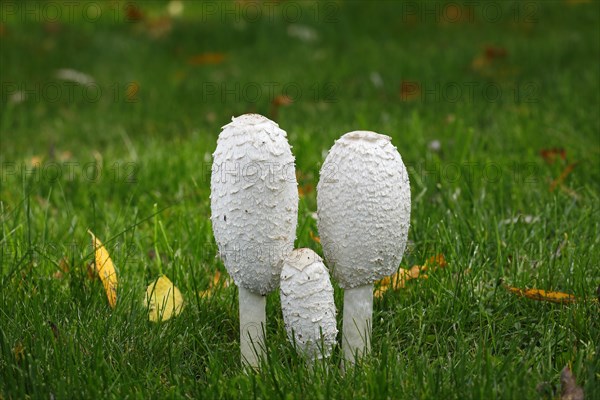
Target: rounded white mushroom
307,304
363,205
254,213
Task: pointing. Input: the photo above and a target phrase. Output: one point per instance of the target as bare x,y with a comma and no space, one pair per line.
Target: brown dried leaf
410,90
133,13
278,102
550,155
206,58
563,175
305,189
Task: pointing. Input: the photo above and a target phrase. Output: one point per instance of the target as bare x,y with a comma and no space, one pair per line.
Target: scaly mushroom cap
307,303
254,201
363,206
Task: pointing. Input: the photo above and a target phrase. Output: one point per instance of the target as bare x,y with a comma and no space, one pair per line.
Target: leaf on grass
215,284
491,62
569,388
279,101
64,269
159,27
105,270
314,237
410,90
206,58
551,155
563,175
305,189
399,279
19,352
543,295
133,13
163,300
131,91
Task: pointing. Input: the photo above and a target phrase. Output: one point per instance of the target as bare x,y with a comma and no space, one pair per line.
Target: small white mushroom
363,205
307,304
254,213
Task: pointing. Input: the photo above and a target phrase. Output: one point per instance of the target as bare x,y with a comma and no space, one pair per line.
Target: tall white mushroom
363,205
307,304
254,204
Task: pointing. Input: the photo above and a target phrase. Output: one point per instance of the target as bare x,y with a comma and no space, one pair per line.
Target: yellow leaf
399,279
163,300
543,295
105,269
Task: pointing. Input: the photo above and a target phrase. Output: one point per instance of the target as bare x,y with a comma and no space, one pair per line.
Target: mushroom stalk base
358,316
253,319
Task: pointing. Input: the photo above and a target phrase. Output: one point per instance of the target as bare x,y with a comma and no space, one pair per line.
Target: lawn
110,113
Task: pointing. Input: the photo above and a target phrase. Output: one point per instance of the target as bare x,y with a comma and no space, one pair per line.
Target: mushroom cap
254,201
363,207
307,303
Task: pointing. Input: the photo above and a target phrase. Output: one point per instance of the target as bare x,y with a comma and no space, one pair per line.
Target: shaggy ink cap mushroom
363,206
307,304
254,213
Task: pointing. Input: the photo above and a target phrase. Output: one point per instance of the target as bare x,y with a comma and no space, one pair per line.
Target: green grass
458,334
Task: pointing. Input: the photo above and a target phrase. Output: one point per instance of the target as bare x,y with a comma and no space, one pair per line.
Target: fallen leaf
215,284
35,161
305,189
131,91
314,237
543,295
63,266
490,62
409,90
159,27
163,300
437,261
133,13
399,279
206,58
277,102
19,352
569,388
563,175
550,155
105,270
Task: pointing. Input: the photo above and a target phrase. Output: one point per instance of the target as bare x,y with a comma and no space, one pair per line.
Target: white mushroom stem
358,318
253,319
